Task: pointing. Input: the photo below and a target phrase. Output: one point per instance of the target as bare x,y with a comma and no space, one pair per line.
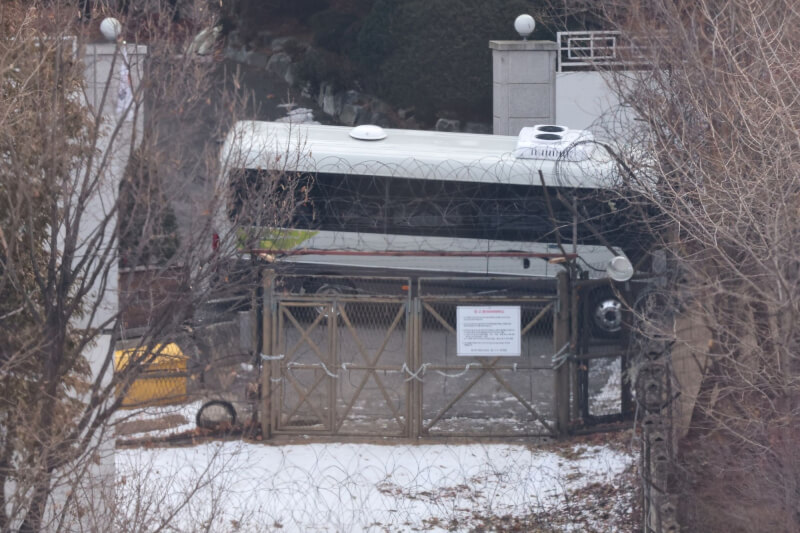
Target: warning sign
488,331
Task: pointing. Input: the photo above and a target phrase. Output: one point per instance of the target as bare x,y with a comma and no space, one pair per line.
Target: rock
280,44
350,114
380,119
352,97
446,124
477,127
379,106
301,115
264,37
338,102
247,57
291,77
406,113
203,43
326,99
279,64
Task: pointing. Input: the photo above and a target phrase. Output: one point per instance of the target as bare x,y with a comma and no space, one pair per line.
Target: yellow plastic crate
161,382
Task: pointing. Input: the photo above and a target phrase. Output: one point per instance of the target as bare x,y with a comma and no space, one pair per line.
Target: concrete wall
582,98
528,91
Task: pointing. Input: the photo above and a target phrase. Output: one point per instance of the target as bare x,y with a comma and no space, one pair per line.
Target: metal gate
339,356
377,357
485,396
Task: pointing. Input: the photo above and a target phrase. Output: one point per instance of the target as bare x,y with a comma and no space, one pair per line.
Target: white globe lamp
111,28
524,24
620,268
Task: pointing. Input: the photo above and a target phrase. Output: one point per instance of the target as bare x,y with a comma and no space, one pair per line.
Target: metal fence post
575,344
268,283
561,335
415,360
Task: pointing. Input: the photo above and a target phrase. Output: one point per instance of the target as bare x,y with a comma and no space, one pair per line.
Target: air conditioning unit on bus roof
554,143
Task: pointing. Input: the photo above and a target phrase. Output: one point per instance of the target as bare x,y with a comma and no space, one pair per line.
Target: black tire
216,415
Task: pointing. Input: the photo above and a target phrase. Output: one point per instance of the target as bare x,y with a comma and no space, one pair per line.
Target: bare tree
714,151
68,222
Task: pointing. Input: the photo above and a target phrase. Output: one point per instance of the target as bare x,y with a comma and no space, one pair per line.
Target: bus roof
407,153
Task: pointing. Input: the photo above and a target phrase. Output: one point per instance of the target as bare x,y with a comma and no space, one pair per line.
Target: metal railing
586,50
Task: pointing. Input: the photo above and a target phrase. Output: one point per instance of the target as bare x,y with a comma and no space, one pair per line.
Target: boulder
350,114
446,124
203,43
405,113
301,115
352,97
477,127
247,57
279,64
280,43
326,99
291,76
380,119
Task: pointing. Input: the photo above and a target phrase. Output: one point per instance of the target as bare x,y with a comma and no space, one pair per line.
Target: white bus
407,201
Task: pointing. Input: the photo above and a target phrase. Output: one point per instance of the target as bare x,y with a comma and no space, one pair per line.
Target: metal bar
371,368
473,299
333,330
604,355
561,337
536,319
460,395
312,300
438,317
304,395
304,335
415,359
575,327
407,253
346,366
522,400
266,346
278,343
289,353
497,367
492,436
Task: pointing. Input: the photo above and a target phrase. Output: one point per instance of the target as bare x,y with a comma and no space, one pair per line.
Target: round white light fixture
620,268
524,24
111,28
368,132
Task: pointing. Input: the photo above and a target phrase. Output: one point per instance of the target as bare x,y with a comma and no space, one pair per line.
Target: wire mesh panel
485,395
373,351
344,348
307,366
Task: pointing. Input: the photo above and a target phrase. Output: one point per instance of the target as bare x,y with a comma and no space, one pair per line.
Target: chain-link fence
510,394
378,356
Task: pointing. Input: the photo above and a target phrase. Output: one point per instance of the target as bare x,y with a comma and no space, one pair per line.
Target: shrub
434,54
334,30
320,66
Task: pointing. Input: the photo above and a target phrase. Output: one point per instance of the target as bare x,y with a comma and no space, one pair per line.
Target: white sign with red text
488,331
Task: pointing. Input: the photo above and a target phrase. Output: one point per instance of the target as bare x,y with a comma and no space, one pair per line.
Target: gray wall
523,84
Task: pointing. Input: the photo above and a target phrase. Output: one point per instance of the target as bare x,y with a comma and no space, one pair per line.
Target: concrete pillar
95,489
523,84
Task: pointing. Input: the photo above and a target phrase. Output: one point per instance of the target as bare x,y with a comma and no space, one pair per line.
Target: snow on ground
321,487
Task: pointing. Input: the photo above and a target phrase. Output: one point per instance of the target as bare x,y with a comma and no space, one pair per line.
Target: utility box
523,84
162,381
